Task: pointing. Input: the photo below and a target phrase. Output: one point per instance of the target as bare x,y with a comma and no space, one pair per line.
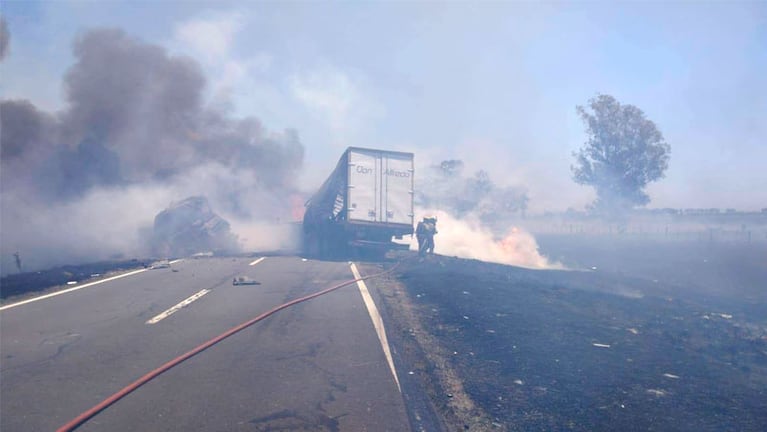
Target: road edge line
89,284
378,324
69,290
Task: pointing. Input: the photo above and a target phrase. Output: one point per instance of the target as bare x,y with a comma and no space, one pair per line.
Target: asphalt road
316,366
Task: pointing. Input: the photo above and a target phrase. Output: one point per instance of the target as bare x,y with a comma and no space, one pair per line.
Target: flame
297,208
520,248
467,238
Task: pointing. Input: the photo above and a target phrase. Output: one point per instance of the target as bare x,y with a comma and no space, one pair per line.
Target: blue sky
494,84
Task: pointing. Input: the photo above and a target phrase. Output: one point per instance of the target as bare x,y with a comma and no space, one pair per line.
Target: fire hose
87,415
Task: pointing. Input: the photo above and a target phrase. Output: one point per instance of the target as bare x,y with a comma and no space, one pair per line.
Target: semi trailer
365,203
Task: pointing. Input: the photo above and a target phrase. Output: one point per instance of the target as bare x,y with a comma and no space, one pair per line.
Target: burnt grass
686,347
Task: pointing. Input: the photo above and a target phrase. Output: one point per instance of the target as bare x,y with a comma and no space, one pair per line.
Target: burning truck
365,203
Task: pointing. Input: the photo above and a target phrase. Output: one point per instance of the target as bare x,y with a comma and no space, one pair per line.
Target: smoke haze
469,238
5,37
495,86
135,134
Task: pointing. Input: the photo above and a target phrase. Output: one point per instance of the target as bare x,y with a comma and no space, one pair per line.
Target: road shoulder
433,392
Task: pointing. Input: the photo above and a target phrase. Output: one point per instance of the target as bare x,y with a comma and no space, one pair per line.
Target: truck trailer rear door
380,186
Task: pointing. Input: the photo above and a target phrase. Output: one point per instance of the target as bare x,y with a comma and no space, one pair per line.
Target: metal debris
161,264
244,280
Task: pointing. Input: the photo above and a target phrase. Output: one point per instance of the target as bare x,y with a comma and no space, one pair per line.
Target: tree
624,152
450,168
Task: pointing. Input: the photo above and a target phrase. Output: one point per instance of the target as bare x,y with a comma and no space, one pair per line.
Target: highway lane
316,366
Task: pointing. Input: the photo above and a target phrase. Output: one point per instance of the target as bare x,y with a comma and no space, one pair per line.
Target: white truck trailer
365,203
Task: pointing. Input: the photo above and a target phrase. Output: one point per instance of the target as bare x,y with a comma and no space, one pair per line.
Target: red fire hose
87,415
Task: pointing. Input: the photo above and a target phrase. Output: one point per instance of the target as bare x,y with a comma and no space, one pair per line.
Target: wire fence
647,231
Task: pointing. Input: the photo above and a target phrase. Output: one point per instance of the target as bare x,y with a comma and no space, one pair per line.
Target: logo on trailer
395,173
389,172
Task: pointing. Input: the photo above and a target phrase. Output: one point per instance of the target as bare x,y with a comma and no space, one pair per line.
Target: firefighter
425,233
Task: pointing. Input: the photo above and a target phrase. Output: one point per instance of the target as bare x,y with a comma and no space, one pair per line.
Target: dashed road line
176,308
257,261
377,322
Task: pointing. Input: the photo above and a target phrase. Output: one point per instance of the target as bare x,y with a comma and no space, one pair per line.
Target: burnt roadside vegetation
646,335
17,286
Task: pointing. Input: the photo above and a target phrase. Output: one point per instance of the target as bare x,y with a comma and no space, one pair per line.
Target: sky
494,84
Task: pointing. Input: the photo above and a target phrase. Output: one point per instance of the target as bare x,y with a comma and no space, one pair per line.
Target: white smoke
468,238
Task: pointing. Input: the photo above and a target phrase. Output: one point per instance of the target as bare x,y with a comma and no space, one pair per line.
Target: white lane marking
178,307
69,290
377,322
257,261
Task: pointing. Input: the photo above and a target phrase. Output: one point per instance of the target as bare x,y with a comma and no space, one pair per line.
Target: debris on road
244,280
161,264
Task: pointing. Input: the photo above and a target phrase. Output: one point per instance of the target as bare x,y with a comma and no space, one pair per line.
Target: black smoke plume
135,134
